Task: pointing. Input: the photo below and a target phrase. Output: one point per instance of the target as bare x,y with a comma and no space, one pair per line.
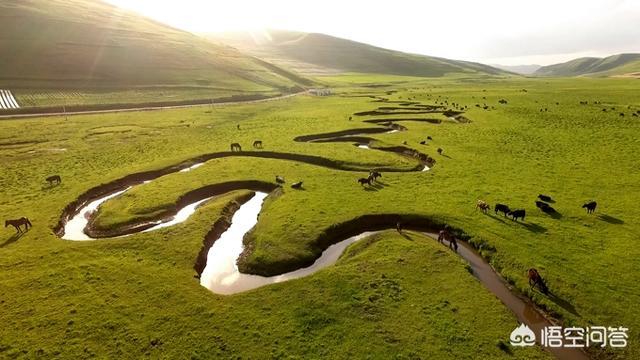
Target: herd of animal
372,178
236,147
296,185
542,203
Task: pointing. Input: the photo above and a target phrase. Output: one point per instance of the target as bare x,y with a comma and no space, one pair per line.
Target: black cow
590,206
515,214
546,198
502,208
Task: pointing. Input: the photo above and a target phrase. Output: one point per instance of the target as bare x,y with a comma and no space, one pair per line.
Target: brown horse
536,279
236,147
482,205
445,234
257,144
19,222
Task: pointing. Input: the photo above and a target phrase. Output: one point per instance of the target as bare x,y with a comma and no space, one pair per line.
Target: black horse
590,206
297,185
279,179
363,181
502,208
19,222
515,214
374,175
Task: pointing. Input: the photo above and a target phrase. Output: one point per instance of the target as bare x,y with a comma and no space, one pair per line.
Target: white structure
320,92
7,101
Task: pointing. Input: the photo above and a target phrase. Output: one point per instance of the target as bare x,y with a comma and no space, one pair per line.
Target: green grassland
408,298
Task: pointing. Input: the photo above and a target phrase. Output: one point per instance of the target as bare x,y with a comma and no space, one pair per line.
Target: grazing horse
482,205
297,185
19,222
423,142
536,279
502,208
374,175
515,214
236,147
440,151
279,179
257,144
363,181
54,179
590,206
445,234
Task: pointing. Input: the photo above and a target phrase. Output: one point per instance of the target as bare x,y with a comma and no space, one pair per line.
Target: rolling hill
312,53
616,65
88,43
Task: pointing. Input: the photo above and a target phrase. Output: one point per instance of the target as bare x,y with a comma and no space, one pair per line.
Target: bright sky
509,32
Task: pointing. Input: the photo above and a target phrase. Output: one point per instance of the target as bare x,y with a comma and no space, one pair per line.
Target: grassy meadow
408,297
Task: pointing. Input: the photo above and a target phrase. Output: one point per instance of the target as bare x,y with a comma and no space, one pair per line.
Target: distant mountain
616,65
88,43
312,53
518,69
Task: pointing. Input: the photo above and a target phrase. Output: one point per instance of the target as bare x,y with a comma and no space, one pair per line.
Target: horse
536,279
257,144
236,147
297,185
482,205
19,222
445,234
440,151
363,181
423,142
374,175
54,179
515,214
279,179
502,208
590,206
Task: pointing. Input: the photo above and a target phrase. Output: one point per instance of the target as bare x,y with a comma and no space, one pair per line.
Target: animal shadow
15,237
610,219
563,304
371,188
535,228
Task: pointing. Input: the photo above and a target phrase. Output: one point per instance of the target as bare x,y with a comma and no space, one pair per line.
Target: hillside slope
620,64
88,43
314,53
